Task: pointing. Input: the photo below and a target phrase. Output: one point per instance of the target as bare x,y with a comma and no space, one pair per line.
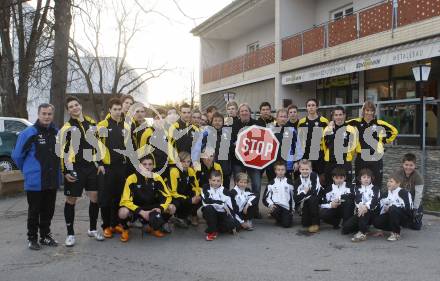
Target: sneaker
125,235
359,237
157,233
118,229
166,228
108,232
180,223
33,245
393,237
48,240
211,236
96,234
313,228
194,221
70,241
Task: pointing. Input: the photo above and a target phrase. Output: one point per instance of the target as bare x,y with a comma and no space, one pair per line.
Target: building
341,52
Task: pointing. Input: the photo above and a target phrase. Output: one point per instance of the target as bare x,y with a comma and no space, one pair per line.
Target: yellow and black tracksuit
115,169
85,171
136,130
342,133
202,174
141,193
156,141
183,187
306,140
181,135
387,135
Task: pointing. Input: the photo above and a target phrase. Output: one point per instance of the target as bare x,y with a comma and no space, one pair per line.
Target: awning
415,51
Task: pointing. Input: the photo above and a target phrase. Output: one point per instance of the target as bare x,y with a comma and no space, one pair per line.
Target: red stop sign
257,147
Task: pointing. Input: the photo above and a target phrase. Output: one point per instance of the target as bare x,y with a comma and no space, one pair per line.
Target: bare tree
63,21
28,29
96,68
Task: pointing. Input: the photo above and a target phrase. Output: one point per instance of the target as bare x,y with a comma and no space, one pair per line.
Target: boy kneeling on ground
217,207
278,196
396,206
147,198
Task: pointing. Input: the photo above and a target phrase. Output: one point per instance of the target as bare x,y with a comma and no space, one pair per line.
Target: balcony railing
261,57
377,18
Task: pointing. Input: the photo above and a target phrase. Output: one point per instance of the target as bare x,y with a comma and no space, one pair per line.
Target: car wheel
6,164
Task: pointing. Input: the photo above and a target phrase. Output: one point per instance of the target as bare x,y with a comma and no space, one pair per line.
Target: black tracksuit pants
282,216
333,216
40,212
310,212
217,221
355,223
110,194
184,208
391,220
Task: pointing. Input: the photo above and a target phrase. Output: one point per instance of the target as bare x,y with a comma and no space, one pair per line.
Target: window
14,126
253,47
341,12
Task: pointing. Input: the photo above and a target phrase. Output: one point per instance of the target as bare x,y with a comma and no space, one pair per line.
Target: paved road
268,253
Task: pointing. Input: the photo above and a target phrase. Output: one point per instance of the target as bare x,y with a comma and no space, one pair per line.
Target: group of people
181,167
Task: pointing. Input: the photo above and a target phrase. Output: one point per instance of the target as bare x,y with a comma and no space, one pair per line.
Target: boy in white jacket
278,196
217,207
244,202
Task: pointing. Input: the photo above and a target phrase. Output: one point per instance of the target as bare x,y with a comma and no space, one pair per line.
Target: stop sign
257,147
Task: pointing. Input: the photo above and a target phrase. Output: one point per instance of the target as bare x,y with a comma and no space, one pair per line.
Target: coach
35,156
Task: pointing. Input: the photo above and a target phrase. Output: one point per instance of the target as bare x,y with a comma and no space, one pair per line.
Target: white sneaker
95,234
70,241
359,237
393,237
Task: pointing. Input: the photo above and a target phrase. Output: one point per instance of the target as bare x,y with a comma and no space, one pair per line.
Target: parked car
10,127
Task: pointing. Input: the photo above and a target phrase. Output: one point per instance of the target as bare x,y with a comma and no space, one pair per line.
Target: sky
163,38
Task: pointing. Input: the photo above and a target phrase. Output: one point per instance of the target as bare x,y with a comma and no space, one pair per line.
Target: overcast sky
164,41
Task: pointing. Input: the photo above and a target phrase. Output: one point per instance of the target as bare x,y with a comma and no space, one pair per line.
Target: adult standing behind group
34,154
245,120
373,135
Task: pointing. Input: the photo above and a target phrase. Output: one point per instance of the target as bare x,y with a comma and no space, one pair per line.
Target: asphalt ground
268,253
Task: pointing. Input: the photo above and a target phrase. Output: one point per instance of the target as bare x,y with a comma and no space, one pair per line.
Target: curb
433,213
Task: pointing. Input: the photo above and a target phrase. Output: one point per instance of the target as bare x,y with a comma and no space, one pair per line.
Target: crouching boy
278,196
307,195
396,206
338,200
217,207
145,197
244,202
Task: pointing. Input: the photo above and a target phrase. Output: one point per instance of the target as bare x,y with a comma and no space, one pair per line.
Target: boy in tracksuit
278,196
337,201
206,166
147,198
185,190
244,202
395,208
366,200
217,207
308,195
115,167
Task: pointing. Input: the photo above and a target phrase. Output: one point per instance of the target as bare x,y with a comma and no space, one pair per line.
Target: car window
14,126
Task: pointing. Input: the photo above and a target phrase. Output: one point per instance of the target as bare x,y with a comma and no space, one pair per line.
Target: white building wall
264,34
325,7
295,16
213,52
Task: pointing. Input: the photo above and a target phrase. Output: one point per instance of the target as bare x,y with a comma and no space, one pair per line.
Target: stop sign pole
257,147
